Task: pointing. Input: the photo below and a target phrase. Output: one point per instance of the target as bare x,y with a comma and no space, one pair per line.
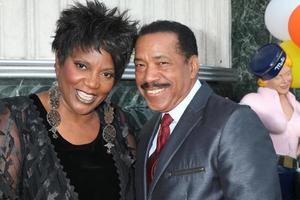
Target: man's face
282,82
163,74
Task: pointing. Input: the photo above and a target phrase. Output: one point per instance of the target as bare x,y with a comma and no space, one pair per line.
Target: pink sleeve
270,116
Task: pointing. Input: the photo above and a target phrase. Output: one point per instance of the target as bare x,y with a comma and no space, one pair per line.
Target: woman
68,142
278,109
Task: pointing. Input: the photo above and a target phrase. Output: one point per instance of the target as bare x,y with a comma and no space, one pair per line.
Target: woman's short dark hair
94,26
186,37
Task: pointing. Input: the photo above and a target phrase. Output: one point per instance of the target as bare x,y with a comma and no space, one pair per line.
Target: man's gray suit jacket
218,150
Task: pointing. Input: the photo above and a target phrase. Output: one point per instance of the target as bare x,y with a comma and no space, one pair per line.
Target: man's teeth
155,91
84,97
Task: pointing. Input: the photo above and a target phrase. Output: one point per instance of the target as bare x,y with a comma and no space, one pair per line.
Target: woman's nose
286,78
93,81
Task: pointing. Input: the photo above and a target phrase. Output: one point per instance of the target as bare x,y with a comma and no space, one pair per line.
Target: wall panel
26,26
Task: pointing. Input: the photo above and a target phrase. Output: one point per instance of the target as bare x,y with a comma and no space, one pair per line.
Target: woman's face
85,79
282,82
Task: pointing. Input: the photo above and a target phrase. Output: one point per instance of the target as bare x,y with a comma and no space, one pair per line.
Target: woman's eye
108,74
81,66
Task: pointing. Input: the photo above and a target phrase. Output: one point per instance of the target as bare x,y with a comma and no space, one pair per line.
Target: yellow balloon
293,51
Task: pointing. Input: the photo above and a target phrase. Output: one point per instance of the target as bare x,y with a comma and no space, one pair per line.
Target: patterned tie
162,137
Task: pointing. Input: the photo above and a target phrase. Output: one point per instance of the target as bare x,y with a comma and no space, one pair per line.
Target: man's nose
151,73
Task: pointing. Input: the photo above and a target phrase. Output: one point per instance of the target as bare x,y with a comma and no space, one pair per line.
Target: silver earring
53,116
109,131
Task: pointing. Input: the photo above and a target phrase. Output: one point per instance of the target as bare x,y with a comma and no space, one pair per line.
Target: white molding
1,29
45,69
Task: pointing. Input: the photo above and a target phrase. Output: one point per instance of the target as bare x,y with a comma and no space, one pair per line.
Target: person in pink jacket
278,109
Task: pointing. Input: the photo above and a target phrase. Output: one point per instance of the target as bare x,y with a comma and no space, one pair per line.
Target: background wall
248,33
27,25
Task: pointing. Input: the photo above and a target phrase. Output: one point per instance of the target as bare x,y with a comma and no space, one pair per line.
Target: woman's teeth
84,97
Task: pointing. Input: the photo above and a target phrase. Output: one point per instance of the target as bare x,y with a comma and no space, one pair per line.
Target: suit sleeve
246,160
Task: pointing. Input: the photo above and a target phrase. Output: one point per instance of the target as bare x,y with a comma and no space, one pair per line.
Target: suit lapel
147,136
191,117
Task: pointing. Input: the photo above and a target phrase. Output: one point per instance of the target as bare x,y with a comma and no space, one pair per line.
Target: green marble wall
248,34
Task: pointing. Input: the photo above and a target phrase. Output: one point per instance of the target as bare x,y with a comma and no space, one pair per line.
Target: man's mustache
147,85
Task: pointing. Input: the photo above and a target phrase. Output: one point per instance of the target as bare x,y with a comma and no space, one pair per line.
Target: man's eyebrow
137,59
153,57
159,57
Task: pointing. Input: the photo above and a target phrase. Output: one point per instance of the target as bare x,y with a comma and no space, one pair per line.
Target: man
217,149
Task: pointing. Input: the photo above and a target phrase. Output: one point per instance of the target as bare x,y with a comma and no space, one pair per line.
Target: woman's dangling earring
109,131
53,116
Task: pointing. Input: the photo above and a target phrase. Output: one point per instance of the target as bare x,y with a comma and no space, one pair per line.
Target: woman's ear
56,65
194,66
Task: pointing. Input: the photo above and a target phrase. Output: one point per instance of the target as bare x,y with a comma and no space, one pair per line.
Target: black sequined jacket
29,168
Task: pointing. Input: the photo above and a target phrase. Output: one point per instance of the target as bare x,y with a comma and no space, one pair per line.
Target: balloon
277,16
294,26
293,51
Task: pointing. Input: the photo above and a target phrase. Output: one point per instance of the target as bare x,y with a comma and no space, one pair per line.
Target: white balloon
277,17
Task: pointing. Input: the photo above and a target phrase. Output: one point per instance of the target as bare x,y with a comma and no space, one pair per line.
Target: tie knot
166,120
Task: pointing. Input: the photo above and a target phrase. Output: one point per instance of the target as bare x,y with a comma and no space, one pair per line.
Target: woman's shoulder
17,102
20,111
251,98
29,135
263,105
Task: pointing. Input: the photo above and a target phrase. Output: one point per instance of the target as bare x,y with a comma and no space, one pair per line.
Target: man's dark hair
94,26
186,37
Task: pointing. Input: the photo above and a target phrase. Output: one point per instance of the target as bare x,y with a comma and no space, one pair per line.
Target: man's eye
163,63
139,65
81,66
